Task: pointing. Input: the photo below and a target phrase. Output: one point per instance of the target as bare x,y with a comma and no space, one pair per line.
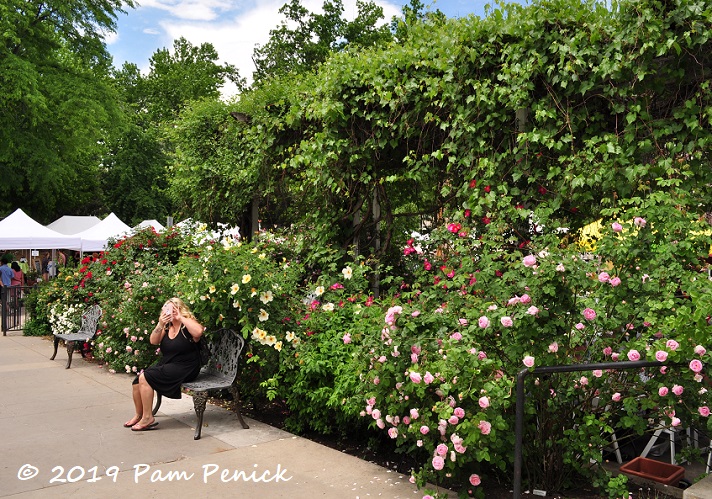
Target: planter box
657,471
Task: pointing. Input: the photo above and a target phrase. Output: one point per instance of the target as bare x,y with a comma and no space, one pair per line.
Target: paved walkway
61,434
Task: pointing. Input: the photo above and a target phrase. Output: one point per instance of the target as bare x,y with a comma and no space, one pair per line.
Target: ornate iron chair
220,373
87,330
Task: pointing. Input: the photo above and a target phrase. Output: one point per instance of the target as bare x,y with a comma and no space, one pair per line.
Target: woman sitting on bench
177,333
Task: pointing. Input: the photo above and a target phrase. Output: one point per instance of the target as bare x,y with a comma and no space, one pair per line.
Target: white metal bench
87,330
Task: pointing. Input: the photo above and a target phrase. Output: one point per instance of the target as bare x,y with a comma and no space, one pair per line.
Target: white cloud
233,27
235,38
195,10
110,37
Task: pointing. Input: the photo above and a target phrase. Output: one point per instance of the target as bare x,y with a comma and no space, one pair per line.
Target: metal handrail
519,423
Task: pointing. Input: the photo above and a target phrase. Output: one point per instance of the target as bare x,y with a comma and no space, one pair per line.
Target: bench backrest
90,321
226,346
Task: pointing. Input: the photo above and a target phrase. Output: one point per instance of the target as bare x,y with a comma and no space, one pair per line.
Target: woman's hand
167,315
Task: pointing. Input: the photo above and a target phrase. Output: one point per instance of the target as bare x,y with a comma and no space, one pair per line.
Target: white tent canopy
157,226
70,224
19,231
95,238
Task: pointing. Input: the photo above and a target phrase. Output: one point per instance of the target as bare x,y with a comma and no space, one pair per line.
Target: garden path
61,432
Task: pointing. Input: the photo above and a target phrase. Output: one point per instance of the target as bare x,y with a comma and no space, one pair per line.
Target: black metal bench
220,373
87,330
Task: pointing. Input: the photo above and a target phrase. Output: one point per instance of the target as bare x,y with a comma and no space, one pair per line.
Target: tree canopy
56,103
305,39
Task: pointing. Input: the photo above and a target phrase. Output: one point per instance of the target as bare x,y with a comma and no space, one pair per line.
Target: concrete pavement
61,433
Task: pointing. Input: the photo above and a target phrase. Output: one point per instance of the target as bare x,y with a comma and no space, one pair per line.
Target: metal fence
14,311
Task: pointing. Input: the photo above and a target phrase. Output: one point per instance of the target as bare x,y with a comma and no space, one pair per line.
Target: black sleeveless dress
180,362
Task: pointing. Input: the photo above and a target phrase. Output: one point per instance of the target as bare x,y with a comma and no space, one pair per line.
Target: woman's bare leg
146,396
138,406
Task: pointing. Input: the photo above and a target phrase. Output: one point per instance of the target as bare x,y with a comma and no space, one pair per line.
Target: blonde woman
177,333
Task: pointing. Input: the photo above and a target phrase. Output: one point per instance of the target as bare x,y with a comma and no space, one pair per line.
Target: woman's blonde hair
182,307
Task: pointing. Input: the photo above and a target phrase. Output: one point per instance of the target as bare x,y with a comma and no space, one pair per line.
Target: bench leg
199,401
238,406
159,399
56,344
70,351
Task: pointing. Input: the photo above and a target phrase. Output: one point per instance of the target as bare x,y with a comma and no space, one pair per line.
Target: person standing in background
6,273
45,266
19,278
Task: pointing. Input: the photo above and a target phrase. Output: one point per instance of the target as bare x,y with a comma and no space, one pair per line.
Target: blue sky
234,27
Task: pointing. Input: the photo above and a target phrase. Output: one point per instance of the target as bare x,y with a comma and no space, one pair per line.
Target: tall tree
306,39
135,177
189,73
55,103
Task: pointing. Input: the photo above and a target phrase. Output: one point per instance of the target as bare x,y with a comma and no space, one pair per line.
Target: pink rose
506,321
696,366
663,391
424,430
483,322
677,390
615,356
579,326
485,427
532,310
597,373
525,298
633,355
456,336
529,261
415,377
475,480
438,463
484,402
459,412
481,355
428,378
661,355
603,277
528,361
639,222
554,347
700,350
607,351
616,281
704,411
616,227
672,345
675,421
589,314
583,381
393,432
414,413
441,450
453,420
616,397
347,338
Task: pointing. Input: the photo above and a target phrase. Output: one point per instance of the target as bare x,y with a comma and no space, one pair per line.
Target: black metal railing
519,424
14,313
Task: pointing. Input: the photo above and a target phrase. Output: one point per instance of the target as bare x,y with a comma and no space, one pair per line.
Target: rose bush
248,287
439,369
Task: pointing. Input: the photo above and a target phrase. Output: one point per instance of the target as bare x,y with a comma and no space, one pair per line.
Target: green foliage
301,49
55,104
248,288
